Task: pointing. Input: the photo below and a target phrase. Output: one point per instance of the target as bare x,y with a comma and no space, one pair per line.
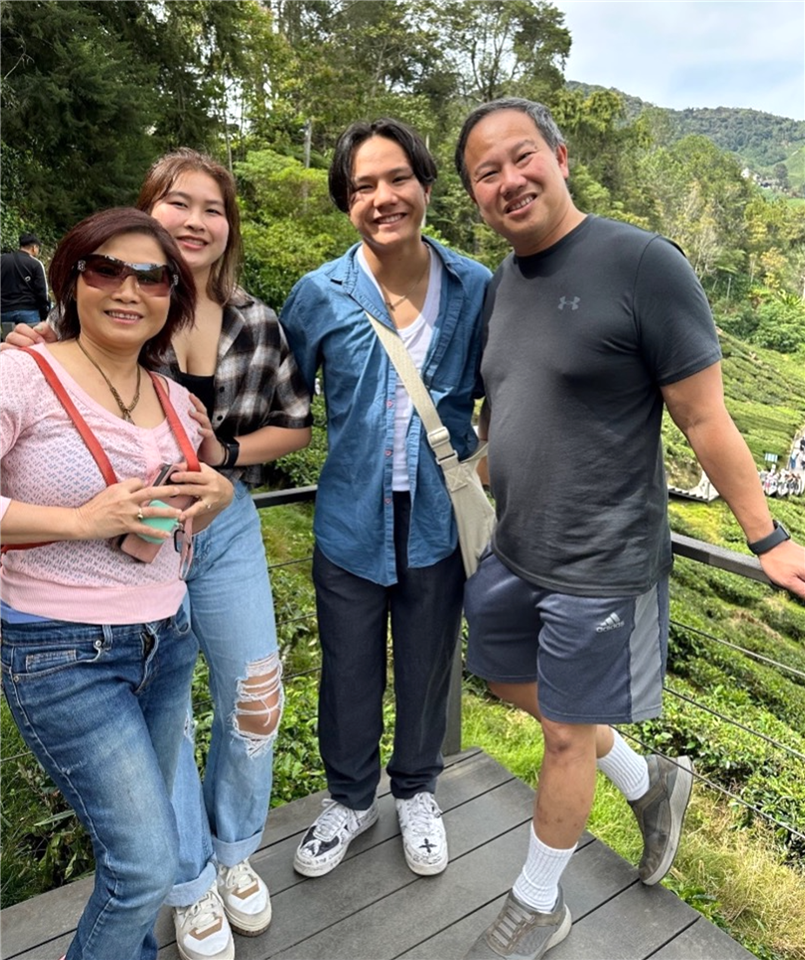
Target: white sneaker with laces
423,834
328,838
202,930
245,897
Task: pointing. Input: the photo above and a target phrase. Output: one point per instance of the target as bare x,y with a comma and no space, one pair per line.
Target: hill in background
760,140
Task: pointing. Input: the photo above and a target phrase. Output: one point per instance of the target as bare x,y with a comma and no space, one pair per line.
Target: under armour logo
427,845
573,304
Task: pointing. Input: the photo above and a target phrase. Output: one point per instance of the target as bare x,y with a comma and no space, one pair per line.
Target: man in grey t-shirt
591,327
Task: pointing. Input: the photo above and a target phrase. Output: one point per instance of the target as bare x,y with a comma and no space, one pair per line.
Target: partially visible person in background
23,285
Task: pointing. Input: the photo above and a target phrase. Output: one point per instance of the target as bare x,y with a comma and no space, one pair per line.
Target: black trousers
424,609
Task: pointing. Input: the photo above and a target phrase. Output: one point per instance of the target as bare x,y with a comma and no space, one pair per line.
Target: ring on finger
140,516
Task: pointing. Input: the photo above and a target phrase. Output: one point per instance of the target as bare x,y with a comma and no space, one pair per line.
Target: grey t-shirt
579,339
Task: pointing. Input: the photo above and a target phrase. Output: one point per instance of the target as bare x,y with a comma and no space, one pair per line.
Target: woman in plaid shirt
253,407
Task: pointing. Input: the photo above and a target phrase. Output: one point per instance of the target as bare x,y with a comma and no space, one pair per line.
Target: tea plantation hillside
765,393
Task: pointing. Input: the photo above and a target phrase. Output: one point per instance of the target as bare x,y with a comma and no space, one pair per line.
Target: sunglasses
109,273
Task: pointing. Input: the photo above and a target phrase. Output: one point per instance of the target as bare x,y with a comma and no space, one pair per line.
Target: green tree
346,60
12,214
77,106
604,152
93,92
775,232
290,226
697,196
495,48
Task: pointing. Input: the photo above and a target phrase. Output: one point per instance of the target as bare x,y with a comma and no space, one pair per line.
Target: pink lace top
45,461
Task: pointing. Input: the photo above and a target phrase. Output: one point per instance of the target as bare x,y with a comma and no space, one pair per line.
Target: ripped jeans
232,614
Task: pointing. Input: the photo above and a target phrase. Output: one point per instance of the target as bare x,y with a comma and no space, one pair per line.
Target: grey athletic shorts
594,660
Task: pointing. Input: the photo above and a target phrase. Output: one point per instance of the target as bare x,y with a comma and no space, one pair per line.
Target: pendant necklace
407,294
125,410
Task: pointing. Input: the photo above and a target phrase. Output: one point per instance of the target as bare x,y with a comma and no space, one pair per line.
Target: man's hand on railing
784,565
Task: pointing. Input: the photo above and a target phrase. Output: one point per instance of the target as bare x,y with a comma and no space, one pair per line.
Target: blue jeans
424,607
232,614
102,708
10,319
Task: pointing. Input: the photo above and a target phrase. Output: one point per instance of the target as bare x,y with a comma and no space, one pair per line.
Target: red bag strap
87,436
90,440
176,425
81,425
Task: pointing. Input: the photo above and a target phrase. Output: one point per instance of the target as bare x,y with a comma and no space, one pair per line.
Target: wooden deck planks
373,908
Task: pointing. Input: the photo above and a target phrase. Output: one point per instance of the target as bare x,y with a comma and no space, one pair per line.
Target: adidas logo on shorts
612,622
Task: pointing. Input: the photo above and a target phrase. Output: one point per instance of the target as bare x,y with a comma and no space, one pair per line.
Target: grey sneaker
520,933
423,834
328,838
660,812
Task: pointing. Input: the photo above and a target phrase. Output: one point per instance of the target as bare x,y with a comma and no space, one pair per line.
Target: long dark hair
96,230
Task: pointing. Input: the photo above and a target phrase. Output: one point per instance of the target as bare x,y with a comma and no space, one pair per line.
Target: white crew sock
625,768
538,883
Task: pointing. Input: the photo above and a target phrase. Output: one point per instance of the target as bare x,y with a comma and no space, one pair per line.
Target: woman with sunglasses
97,652
253,407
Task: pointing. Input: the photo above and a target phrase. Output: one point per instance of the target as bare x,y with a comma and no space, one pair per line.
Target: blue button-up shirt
327,327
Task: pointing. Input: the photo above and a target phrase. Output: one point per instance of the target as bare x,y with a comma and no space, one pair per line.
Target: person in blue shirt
386,541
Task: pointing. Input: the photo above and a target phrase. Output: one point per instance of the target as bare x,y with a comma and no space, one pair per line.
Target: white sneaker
328,838
423,835
246,900
202,930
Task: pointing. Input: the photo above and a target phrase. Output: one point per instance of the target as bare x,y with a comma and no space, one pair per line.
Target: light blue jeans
103,708
232,613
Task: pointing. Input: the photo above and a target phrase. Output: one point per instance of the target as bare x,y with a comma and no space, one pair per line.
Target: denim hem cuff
230,854
186,894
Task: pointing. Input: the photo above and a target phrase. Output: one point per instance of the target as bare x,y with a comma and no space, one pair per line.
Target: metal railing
683,546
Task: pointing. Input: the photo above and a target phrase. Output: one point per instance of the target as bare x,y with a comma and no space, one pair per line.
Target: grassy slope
796,167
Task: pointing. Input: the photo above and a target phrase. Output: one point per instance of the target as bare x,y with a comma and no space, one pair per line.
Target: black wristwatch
778,535
232,448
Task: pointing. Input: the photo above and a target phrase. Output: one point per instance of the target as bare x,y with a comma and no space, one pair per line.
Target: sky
692,53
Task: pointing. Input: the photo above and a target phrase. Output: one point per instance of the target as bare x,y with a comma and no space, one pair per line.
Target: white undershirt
416,337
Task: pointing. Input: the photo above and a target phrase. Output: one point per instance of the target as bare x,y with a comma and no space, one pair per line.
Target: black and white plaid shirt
257,382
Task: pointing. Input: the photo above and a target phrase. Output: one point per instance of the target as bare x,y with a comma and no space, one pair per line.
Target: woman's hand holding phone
123,508
210,490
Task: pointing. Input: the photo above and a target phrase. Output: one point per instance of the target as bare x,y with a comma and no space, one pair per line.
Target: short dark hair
158,184
538,112
93,232
413,146
29,240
